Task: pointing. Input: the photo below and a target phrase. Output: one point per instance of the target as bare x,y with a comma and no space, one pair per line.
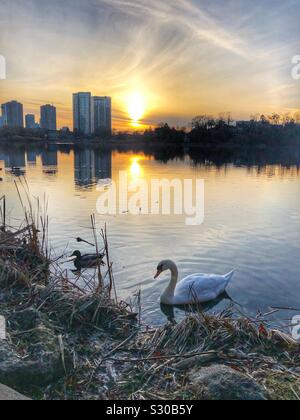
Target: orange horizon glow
129,115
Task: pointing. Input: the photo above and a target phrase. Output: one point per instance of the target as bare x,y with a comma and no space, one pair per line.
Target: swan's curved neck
168,294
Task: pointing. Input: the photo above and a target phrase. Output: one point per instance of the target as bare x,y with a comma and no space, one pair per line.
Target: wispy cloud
184,15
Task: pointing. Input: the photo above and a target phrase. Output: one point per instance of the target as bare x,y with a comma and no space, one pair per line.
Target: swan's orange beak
157,274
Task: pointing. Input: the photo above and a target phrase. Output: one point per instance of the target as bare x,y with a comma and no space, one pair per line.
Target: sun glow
136,170
136,105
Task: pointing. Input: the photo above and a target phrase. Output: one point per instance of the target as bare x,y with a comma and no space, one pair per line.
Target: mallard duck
87,260
197,288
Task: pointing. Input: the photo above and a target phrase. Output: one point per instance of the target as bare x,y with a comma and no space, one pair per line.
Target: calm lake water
252,221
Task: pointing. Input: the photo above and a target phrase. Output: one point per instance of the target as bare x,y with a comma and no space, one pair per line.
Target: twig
285,309
109,264
295,393
100,279
170,357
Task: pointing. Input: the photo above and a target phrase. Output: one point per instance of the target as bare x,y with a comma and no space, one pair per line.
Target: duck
196,288
87,260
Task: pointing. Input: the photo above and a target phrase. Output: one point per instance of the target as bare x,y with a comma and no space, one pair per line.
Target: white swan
197,288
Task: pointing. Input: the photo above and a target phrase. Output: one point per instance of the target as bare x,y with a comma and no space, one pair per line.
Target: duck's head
163,266
76,255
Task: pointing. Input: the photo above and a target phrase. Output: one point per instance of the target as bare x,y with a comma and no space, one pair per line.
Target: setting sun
136,106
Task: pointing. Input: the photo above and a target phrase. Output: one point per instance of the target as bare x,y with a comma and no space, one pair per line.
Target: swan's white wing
200,288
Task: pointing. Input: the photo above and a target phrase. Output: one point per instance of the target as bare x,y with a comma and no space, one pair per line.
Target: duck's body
197,288
87,260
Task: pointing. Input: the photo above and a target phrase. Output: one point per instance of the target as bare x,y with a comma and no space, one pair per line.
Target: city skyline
164,61
91,115
13,116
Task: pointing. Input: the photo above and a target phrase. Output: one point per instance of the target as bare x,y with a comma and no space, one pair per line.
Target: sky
171,59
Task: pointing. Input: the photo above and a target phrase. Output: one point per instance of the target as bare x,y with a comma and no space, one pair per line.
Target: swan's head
164,266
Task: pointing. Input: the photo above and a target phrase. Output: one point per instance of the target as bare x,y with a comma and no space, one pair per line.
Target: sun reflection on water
136,170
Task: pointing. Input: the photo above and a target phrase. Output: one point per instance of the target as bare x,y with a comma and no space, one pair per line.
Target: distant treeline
25,135
15,134
207,131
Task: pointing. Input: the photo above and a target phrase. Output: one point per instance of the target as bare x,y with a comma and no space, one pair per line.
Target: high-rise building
102,115
13,114
48,117
83,113
2,122
30,121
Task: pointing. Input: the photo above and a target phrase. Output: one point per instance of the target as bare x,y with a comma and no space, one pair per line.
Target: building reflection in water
14,161
31,156
91,166
103,165
50,161
49,158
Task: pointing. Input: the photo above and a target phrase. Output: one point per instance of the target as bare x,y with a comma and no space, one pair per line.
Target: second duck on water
87,260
